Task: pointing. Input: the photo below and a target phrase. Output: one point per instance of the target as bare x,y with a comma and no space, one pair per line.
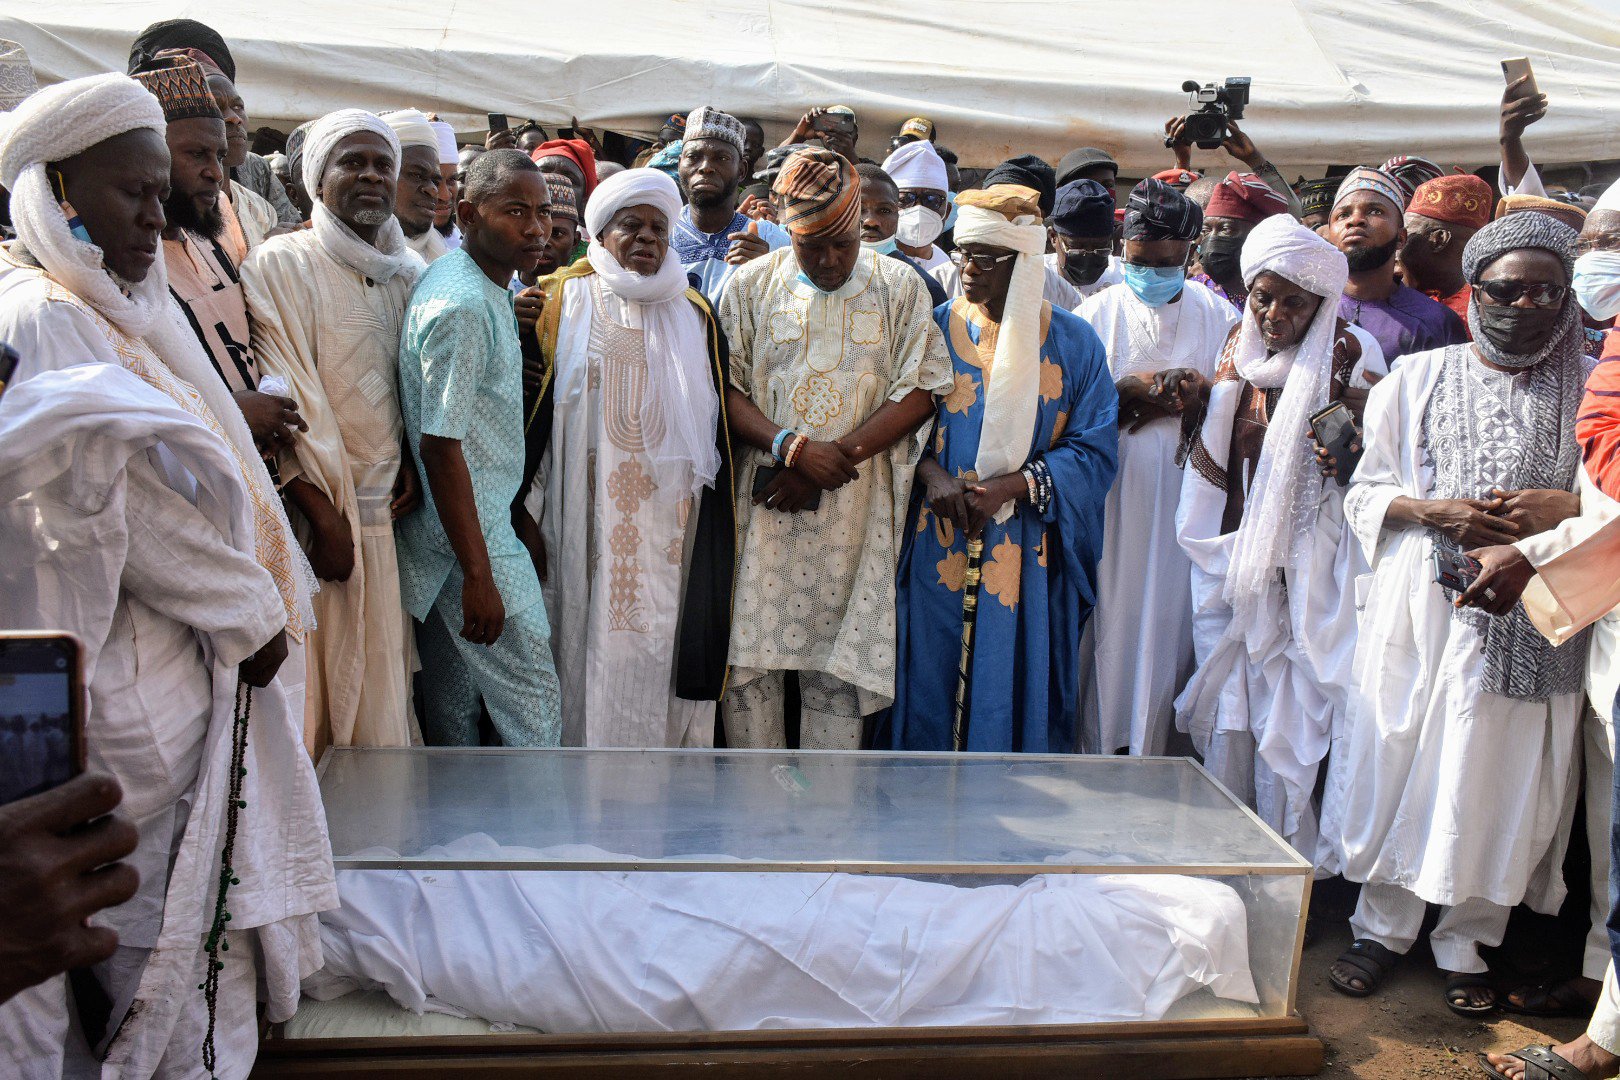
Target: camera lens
61,663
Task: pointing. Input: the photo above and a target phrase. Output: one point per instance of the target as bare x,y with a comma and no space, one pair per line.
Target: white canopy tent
1334,82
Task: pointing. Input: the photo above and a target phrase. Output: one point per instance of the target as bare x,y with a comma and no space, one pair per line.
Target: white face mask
919,226
1597,283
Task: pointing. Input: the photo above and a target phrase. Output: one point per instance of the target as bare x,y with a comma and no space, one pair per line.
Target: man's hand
528,532
1504,572
273,420
1518,112
1327,462
1139,406
946,494
1472,523
482,611
331,544
804,130
407,491
985,500
1241,147
1176,389
746,246
1175,130
500,140
528,304
757,209
790,493
1535,511
59,853
258,669
825,465
588,135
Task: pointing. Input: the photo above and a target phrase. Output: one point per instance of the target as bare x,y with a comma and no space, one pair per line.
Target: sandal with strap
1549,1001
1540,1063
1457,998
1371,960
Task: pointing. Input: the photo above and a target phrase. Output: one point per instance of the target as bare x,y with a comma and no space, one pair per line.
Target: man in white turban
637,466
423,186
919,173
1274,568
1015,478
328,306
199,596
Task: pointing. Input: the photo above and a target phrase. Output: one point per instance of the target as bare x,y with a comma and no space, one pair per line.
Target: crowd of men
383,439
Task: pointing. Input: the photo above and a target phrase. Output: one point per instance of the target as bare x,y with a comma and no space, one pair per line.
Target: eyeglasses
1600,242
1073,247
1540,293
933,200
980,263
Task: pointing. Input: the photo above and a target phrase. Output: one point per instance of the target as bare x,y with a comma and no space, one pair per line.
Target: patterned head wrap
1083,208
1515,233
709,122
1316,196
197,56
1027,170
1376,181
1460,199
821,194
561,195
1157,211
181,88
331,129
667,160
180,34
1411,172
16,75
1568,213
1244,197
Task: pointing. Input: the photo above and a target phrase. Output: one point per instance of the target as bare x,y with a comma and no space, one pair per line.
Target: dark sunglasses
933,200
981,263
1540,293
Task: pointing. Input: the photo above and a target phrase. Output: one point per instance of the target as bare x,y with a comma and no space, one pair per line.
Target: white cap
917,165
449,152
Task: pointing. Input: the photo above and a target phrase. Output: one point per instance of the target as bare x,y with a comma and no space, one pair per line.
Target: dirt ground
1405,1032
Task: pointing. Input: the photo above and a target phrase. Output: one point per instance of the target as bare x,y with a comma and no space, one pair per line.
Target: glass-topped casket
625,910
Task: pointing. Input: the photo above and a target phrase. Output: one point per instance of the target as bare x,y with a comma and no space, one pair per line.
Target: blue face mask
950,218
804,279
882,247
1155,286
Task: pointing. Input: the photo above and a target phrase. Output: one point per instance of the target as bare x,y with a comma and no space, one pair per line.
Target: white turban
1012,392
1279,523
412,128
917,165
1610,199
449,152
681,400
381,259
62,120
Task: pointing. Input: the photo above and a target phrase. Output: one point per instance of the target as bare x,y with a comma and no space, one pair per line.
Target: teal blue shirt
461,377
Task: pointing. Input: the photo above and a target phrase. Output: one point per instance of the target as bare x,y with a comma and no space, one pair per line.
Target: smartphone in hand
1517,68
42,707
1335,431
1453,570
499,122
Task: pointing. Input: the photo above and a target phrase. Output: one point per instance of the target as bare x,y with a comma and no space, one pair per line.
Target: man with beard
421,185
464,572
1444,215
1367,225
202,275
1235,206
711,237
328,305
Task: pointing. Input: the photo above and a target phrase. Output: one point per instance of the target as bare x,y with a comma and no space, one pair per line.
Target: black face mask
1221,257
1518,331
1363,259
1084,269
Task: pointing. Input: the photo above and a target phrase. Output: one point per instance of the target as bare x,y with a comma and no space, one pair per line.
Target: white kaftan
151,561
430,245
816,590
617,553
334,336
1436,786
1137,650
1276,706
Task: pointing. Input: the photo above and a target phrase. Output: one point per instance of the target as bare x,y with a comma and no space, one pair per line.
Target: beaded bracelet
776,447
1043,485
1029,480
794,450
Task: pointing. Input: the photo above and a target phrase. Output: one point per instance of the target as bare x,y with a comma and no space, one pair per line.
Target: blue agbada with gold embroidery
1039,570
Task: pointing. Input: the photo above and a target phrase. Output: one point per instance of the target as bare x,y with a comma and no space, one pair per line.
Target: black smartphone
1335,430
1453,570
8,366
42,706
498,122
766,473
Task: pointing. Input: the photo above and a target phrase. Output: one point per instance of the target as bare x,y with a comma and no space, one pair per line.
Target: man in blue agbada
1023,453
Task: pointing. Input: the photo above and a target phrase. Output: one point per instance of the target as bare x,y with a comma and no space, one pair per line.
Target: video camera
1206,127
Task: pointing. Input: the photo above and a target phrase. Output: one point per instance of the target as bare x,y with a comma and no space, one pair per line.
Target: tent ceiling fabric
1333,82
